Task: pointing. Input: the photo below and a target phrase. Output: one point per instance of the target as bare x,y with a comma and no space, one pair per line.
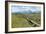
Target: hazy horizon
25,9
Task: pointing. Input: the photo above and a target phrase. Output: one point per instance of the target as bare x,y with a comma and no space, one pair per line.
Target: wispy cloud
25,8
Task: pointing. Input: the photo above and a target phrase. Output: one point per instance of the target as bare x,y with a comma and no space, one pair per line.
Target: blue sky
16,8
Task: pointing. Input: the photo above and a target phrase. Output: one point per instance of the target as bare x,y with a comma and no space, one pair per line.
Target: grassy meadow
24,20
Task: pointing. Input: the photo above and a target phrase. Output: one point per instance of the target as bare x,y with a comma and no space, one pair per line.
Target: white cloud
25,8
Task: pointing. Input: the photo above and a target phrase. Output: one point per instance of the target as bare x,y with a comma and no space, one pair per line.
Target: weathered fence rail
35,23
30,21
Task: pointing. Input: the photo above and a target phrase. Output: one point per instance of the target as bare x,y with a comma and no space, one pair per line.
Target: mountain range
27,12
